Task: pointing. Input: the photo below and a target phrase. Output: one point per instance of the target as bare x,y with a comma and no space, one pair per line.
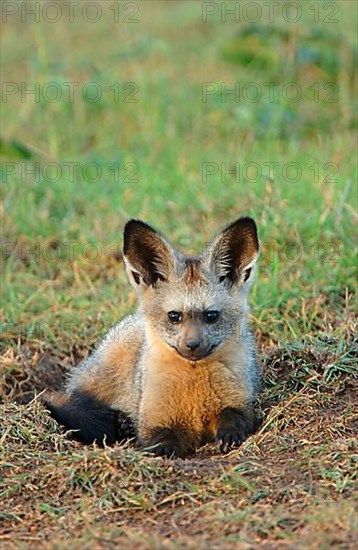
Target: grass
185,165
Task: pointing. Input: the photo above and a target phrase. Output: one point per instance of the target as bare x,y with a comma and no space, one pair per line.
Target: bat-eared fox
182,370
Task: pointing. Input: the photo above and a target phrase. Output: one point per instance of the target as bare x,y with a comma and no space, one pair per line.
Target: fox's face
193,304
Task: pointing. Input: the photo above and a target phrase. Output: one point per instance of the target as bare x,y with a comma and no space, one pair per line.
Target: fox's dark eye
174,316
211,316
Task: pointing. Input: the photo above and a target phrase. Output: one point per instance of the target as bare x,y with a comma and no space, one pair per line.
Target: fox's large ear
234,252
148,257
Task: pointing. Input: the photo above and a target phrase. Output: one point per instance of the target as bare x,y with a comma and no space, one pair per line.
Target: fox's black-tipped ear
148,257
234,252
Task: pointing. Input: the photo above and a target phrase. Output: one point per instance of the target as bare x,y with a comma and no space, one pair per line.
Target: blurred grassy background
167,135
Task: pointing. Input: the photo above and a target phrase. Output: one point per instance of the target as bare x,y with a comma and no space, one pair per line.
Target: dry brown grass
291,485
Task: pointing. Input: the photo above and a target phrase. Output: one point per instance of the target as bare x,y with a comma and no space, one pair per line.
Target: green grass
152,153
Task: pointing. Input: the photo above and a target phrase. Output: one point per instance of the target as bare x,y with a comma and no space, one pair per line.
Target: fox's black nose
192,344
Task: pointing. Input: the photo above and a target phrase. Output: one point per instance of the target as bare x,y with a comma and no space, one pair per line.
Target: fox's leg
165,423
101,387
91,419
233,426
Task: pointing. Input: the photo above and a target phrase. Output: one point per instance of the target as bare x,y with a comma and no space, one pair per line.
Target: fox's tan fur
176,397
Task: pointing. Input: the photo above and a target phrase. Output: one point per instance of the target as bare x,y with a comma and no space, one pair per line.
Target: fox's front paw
167,449
165,442
126,427
229,439
233,427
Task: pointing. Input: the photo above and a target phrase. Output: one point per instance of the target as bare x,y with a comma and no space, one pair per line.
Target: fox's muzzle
191,343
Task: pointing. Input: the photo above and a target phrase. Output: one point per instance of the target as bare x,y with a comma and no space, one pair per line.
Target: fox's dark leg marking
234,425
94,420
168,442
